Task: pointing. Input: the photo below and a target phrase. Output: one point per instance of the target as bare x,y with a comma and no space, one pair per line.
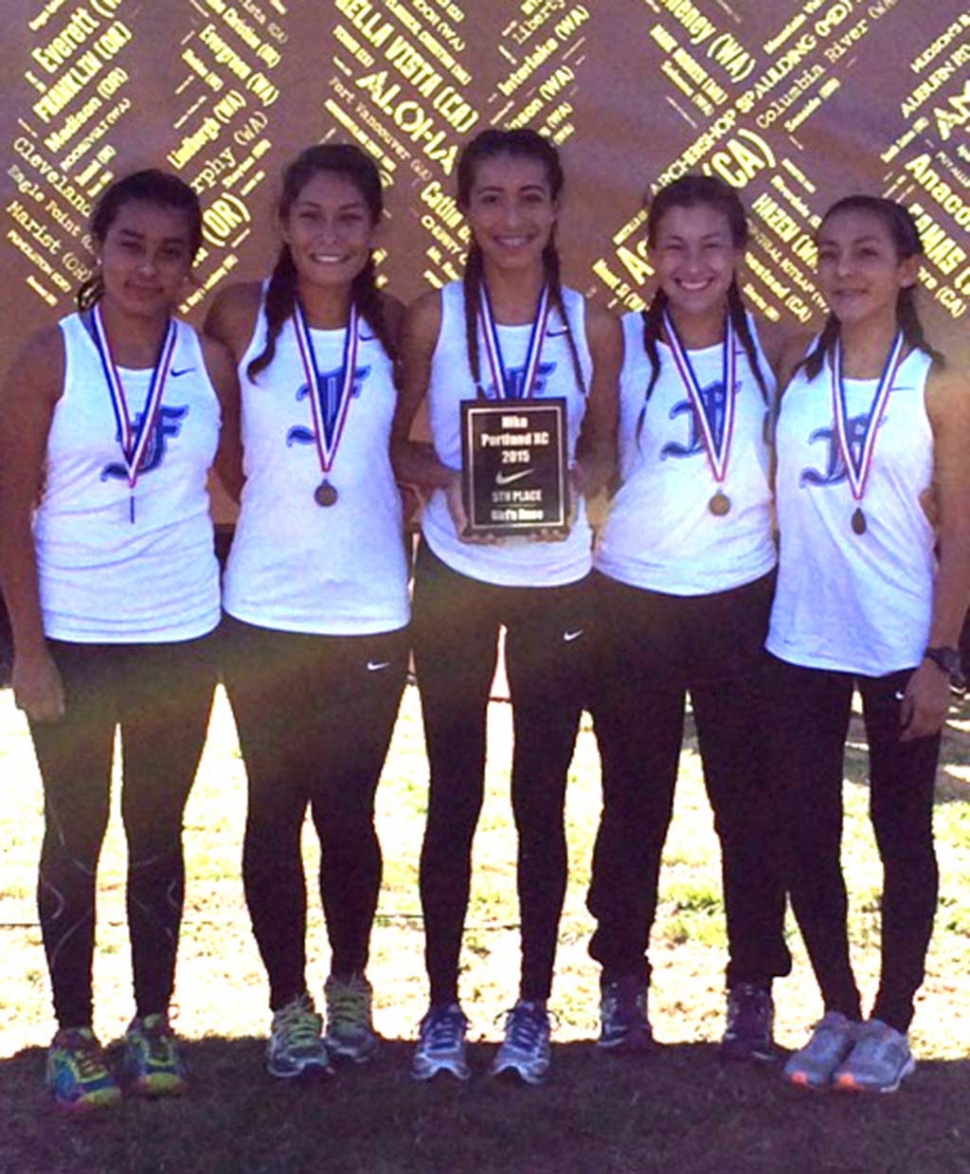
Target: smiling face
511,211
329,229
695,258
860,271
146,258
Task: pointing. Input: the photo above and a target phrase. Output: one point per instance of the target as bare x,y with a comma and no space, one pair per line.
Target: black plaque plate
514,466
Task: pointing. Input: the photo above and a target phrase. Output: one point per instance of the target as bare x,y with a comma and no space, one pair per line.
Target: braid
89,291
472,288
550,262
652,320
280,301
826,342
908,320
370,305
739,320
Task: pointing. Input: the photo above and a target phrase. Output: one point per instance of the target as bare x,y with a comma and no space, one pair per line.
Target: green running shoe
295,1047
77,1075
350,1029
152,1065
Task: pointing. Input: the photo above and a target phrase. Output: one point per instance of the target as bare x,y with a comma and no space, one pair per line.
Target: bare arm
221,366
27,401
596,456
948,406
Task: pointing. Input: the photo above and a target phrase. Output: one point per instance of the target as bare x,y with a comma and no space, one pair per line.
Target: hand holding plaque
514,476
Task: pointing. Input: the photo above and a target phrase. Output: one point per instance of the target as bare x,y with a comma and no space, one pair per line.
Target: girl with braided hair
684,574
869,598
509,185
316,592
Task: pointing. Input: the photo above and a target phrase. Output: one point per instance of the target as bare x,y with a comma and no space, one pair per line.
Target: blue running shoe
880,1060
296,1048
152,1065
831,1041
77,1075
441,1044
525,1053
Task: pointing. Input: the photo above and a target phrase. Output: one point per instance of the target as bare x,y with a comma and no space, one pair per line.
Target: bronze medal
859,524
325,494
720,504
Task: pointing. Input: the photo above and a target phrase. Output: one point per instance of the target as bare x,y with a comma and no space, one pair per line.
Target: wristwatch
947,660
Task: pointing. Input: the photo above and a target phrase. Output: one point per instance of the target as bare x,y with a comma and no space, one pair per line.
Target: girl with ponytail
315,592
511,301
869,598
684,578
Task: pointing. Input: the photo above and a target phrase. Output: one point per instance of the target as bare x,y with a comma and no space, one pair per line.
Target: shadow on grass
680,1111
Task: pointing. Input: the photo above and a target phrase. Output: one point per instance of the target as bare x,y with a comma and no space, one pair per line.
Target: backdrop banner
793,103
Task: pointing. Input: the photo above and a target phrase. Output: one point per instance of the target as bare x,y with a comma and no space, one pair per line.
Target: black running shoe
624,1027
750,1018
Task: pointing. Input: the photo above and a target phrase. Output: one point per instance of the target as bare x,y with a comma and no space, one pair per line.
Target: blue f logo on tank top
835,471
168,424
713,397
516,381
330,387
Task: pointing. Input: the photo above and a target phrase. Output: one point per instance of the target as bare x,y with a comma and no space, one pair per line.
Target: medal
134,440
857,470
716,431
505,387
720,504
328,418
325,494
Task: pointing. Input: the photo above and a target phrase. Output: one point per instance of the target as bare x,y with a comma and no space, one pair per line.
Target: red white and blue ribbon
857,470
328,425
134,440
504,387
717,443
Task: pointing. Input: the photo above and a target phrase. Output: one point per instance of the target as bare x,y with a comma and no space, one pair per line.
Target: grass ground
680,1112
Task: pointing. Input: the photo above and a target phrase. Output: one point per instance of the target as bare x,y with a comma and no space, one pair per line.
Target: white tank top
296,566
516,561
660,534
854,603
102,577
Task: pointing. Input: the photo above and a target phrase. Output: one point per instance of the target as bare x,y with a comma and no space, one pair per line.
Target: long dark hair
148,187
688,192
350,162
905,236
521,143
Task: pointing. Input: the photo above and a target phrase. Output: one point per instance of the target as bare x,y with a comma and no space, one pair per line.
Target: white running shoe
879,1061
441,1044
814,1065
525,1051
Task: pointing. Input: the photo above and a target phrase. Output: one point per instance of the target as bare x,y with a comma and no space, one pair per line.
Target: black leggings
809,726
160,695
315,716
652,649
456,628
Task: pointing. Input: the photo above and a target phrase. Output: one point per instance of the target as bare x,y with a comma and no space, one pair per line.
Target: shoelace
445,1030
158,1038
300,1025
524,1027
747,1008
87,1056
348,1004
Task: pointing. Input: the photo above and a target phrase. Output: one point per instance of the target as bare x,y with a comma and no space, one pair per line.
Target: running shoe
814,1065
525,1051
624,1028
350,1030
880,1060
295,1047
77,1075
152,1065
441,1044
750,1020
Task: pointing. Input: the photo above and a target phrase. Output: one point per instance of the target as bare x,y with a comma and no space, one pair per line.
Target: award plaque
514,466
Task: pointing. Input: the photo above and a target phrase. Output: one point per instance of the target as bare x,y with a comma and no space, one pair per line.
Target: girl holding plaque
509,335
110,423
684,578
316,592
869,598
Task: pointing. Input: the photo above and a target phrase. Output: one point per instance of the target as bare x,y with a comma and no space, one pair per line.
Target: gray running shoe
814,1065
879,1061
441,1044
525,1051
295,1047
350,1029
